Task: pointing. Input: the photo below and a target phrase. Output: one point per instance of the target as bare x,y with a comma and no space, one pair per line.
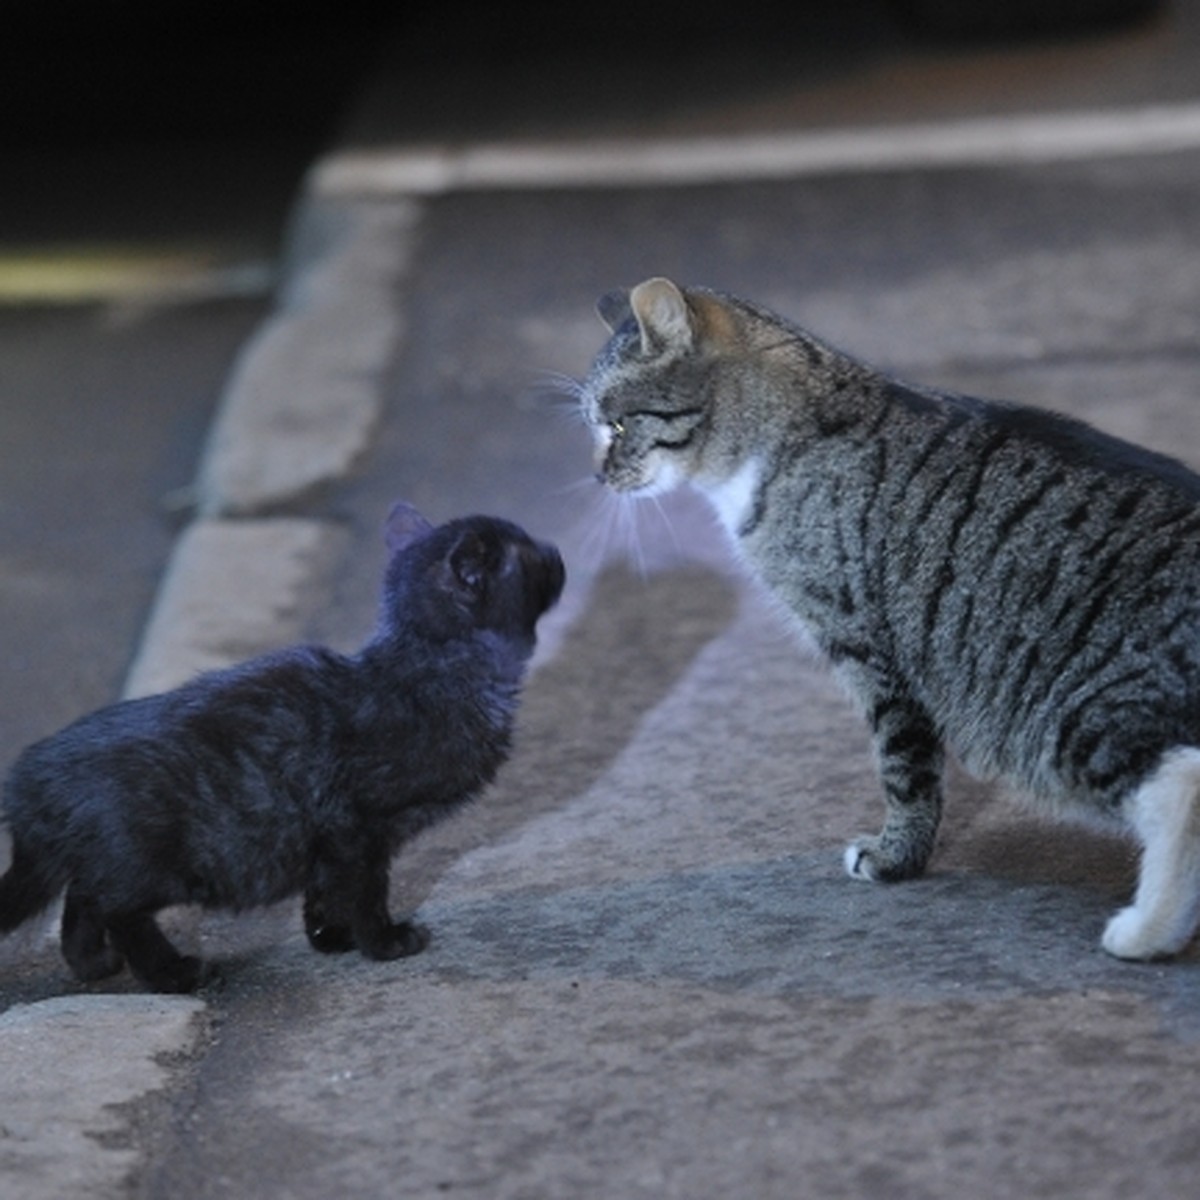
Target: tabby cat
992,578
299,771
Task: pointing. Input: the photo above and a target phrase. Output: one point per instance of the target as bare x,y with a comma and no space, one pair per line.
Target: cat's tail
24,891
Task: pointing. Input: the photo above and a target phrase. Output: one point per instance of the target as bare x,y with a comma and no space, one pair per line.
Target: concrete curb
233,589
300,409
61,1133
304,398
742,157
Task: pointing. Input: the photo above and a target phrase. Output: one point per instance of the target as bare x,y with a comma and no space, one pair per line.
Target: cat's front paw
1130,935
872,859
396,941
859,861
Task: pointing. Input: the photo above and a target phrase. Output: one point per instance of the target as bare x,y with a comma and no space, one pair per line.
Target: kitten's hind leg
910,758
151,956
1165,814
85,943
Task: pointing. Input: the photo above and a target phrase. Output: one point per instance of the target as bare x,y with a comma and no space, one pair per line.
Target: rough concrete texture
63,1131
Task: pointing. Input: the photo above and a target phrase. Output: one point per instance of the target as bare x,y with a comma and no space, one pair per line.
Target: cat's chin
666,479
644,491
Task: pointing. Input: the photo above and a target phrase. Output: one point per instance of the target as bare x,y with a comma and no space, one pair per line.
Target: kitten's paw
1130,935
93,967
180,976
398,941
330,939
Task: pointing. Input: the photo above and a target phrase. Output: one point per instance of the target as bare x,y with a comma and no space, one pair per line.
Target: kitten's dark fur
302,770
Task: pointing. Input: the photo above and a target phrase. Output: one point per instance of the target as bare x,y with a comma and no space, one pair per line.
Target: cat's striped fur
999,579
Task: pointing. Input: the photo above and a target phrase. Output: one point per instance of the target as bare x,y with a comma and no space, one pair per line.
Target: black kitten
303,770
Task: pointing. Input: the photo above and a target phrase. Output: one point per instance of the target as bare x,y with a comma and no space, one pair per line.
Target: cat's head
469,575
649,398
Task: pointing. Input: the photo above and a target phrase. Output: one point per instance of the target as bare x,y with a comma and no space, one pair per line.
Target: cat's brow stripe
662,414
680,443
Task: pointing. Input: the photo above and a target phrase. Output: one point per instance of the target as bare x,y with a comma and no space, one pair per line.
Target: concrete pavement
649,976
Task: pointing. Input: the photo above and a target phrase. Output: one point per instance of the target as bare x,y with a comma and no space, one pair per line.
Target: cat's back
1039,582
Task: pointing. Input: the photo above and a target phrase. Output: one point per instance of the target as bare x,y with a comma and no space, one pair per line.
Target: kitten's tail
24,891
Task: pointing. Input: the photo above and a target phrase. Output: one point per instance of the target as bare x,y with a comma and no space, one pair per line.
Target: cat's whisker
596,536
668,524
611,532
558,391
632,510
583,484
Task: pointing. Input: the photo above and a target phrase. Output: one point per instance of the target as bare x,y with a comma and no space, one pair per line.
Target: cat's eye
617,428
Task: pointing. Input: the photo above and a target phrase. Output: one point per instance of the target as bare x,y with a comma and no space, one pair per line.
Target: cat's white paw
1130,935
860,863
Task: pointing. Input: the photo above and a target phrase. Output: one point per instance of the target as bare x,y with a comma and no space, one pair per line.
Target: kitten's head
467,576
649,397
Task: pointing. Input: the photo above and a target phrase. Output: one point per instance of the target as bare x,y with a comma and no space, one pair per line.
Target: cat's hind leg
151,956
910,757
1165,814
85,943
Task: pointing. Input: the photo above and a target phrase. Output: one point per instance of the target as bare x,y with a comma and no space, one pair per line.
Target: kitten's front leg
375,933
326,927
910,758
348,907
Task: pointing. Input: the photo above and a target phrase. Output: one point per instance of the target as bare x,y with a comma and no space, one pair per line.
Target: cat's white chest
734,497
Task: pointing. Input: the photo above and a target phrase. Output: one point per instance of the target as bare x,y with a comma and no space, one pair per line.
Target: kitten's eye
617,428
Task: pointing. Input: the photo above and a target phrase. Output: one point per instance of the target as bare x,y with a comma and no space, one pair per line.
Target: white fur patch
1165,814
733,497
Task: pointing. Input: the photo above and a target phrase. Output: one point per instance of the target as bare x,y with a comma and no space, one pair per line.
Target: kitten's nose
556,572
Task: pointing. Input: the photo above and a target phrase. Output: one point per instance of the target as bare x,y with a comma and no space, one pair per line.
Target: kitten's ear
662,316
404,526
613,309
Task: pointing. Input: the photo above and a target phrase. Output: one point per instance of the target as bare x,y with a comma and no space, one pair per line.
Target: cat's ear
613,309
404,526
662,316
